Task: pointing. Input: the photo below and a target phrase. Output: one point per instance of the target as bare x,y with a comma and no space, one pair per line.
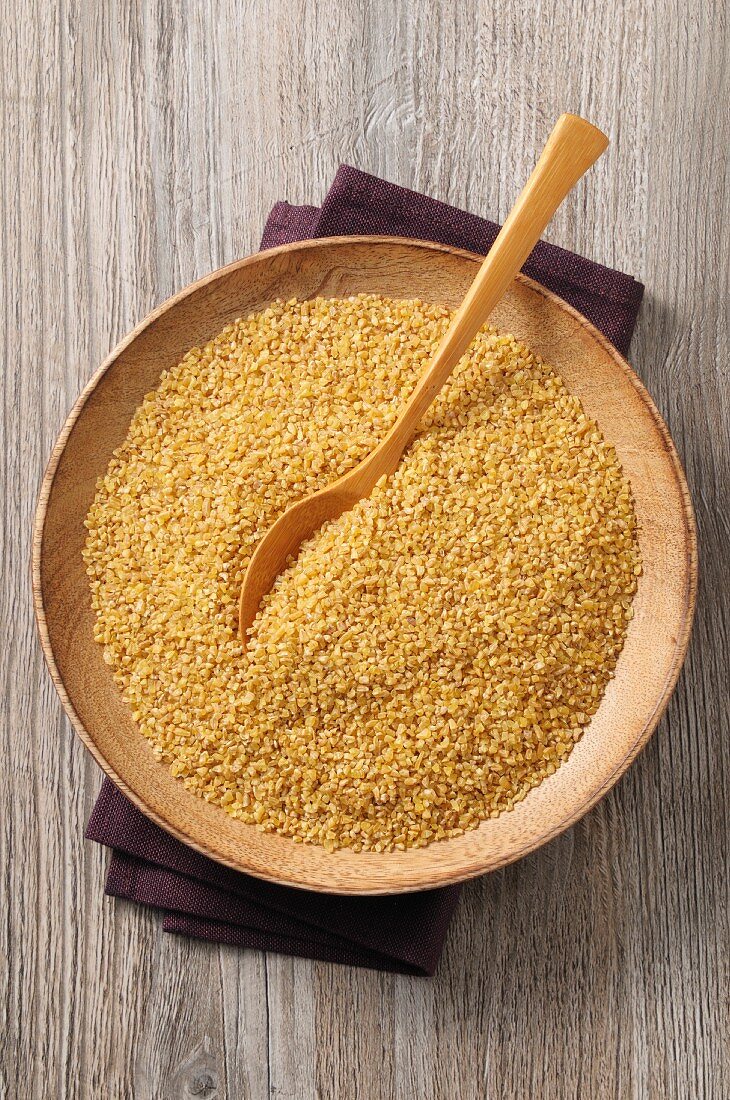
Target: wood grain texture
143,144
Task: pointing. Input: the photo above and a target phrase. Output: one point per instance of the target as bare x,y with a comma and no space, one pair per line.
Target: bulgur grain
430,656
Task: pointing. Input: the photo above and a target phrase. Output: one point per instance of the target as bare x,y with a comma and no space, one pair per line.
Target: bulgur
430,656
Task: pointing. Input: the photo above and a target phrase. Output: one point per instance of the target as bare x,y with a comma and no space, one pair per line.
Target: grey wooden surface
142,146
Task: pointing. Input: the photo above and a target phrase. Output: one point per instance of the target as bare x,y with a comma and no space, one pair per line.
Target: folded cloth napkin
358,203
199,897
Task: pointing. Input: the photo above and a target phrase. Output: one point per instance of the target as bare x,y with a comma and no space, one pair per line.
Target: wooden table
143,144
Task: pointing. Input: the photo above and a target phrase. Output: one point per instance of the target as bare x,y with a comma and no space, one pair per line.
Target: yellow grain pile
432,655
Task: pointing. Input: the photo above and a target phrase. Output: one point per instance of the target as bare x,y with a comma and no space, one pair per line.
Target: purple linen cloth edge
409,928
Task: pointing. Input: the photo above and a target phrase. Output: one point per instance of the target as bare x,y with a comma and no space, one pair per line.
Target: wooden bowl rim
475,868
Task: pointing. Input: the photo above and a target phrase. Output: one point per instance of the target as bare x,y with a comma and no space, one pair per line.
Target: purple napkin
358,203
199,897
202,898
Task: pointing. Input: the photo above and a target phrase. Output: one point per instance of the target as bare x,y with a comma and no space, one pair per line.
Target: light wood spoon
571,149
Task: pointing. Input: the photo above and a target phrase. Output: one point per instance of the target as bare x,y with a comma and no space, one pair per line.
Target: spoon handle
571,149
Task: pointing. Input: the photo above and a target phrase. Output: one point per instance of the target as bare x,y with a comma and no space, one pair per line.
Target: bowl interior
647,668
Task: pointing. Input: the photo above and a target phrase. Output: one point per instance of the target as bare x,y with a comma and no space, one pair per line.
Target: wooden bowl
611,393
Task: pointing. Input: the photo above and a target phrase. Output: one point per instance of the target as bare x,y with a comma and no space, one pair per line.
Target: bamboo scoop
571,149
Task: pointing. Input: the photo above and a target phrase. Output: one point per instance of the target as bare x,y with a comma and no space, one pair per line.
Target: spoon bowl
283,539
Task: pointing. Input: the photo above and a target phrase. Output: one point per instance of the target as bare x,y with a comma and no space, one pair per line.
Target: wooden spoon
571,149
